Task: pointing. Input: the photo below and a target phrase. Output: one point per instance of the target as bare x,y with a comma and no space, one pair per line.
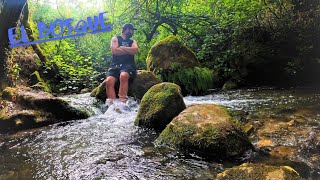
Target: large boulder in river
159,106
259,171
142,83
169,53
15,117
175,62
22,108
207,129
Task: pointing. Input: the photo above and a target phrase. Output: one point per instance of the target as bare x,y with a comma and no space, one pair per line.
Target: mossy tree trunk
11,12
35,47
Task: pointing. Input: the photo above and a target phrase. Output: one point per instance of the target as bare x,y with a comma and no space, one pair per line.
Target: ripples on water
109,146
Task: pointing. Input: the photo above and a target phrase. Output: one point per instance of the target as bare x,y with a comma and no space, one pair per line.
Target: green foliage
41,83
74,70
13,69
194,81
239,40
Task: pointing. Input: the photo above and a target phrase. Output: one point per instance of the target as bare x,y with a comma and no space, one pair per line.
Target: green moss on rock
43,101
207,129
14,117
174,62
23,108
193,81
142,83
170,51
100,91
159,106
259,171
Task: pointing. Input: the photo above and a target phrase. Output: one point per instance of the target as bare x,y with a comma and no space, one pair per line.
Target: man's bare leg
124,86
111,94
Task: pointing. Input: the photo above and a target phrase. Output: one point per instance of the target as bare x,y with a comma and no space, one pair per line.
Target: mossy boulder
208,130
170,52
22,108
159,106
259,171
14,117
100,91
174,62
143,82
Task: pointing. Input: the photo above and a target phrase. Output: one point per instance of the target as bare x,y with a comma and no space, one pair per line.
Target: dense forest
243,42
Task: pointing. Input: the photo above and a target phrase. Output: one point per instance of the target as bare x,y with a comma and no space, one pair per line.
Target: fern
41,83
192,80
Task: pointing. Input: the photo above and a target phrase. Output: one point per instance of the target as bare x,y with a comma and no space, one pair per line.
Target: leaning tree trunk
11,11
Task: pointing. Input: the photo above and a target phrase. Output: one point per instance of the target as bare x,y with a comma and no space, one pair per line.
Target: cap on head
128,25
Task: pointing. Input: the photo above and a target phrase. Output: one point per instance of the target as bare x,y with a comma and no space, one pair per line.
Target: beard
129,35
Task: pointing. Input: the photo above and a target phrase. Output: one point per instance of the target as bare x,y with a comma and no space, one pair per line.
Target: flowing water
109,146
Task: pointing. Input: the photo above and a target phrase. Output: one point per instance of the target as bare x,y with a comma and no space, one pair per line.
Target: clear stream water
109,146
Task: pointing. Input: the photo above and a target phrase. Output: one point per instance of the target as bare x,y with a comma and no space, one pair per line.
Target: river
109,146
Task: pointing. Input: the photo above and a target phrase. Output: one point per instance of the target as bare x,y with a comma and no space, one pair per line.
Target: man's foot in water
109,102
122,107
118,106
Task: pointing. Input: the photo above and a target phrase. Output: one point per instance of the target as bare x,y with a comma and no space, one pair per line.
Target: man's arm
115,48
131,50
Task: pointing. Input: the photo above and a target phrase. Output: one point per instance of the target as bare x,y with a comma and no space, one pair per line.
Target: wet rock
259,171
143,82
273,126
229,85
85,90
113,158
23,108
159,106
149,151
170,52
315,159
207,129
283,152
311,144
265,142
248,128
14,117
100,92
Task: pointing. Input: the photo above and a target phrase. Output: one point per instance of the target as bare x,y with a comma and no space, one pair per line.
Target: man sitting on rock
122,67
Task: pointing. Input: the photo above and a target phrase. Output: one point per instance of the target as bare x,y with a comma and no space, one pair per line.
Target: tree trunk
11,11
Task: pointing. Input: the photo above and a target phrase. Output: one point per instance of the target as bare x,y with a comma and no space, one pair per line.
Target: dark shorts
115,70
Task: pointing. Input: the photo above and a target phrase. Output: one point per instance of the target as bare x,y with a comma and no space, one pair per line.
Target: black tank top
123,59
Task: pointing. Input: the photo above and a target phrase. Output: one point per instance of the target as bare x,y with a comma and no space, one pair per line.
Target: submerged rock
143,82
170,52
207,129
159,106
23,108
259,171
